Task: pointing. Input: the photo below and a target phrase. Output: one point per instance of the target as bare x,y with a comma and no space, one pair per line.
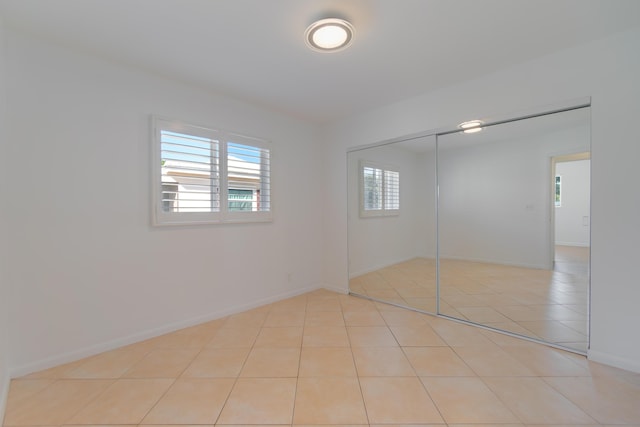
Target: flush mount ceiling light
471,126
329,35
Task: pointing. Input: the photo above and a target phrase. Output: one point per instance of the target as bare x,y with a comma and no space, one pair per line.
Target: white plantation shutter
199,179
372,181
391,190
249,168
189,173
379,190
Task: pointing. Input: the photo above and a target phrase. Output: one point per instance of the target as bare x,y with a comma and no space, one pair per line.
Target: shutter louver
249,175
190,177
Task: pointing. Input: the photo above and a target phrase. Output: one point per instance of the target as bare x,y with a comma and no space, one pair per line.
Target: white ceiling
254,50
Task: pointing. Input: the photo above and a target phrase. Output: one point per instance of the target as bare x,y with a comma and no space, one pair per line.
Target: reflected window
379,190
558,198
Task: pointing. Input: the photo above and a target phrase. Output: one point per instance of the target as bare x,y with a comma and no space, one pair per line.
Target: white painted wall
4,280
377,242
607,71
573,215
89,272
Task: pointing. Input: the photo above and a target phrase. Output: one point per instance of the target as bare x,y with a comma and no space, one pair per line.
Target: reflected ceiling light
471,126
329,35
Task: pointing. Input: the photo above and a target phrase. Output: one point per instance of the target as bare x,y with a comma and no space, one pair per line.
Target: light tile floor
329,359
548,305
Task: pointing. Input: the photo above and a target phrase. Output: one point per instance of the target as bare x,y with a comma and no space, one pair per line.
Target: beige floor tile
501,425
363,318
280,337
324,318
492,361
53,404
607,400
22,388
572,425
482,314
554,331
56,372
416,336
324,304
295,304
428,305
437,361
398,401
162,363
505,340
384,306
247,425
512,327
217,362
126,401
193,337
326,362
416,425
281,318
459,335
400,317
389,294
382,362
191,401
249,319
330,336
234,337
546,361
329,401
272,363
351,303
371,336
112,364
460,301
467,400
260,401
558,387
535,402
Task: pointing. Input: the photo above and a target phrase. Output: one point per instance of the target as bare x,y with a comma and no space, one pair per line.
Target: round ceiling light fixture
329,35
471,126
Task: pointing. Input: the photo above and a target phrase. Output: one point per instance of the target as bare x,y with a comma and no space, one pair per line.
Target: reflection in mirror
513,223
392,223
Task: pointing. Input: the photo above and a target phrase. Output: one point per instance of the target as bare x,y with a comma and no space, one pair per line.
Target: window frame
383,211
159,217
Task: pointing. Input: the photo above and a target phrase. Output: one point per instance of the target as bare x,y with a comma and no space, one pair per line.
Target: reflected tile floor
548,305
328,359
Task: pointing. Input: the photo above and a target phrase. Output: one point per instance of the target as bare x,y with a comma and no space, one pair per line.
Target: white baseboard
632,365
4,393
578,245
336,288
74,355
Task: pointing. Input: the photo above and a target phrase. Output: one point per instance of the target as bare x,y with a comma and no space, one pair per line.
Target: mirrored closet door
490,227
514,227
392,222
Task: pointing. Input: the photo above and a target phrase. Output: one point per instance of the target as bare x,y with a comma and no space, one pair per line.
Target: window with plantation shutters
203,175
379,190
